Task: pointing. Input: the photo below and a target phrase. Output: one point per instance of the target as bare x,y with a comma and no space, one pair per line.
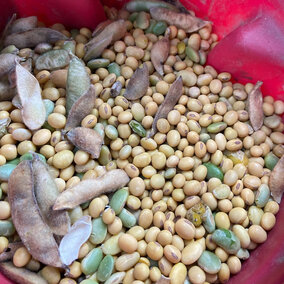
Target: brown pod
276,181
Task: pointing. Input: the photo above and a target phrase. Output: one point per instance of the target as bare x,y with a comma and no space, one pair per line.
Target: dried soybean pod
21,275
46,193
59,78
100,27
138,84
23,24
159,53
78,82
34,233
10,251
7,63
186,22
90,188
81,108
28,89
53,59
86,139
255,106
142,5
6,29
276,181
164,280
33,37
6,91
171,99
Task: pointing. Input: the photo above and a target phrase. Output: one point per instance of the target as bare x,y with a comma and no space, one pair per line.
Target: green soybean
47,126
30,156
202,57
7,228
216,127
227,240
105,268
149,30
111,132
209,262
137,128
262,195
127,218
6,170
100,129
99,231
204,137
85,205
116,278
15,161
91,261
142,20
243,254
10,49
75,214
170,173
118,200
208,220
192,54
213,171
160,28
111,245
49,107
105,155
270,161
114,68
69,46
80,175
132,17
98,63
52,59
142,5
154,79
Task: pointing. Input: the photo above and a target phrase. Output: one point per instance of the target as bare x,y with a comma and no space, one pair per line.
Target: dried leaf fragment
138,84
276,181
46,193
255,106
159,54
33,37
7,63
81,108
33,110
21,275
86,139
186,22
34,233
90,188
78,234
170,101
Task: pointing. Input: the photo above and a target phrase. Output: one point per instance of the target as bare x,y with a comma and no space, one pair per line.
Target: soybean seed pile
125,158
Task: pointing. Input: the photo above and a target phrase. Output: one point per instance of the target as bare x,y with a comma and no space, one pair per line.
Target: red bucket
251,49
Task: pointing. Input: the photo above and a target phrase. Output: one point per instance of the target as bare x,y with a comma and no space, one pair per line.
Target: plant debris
7,63
23,24
276,181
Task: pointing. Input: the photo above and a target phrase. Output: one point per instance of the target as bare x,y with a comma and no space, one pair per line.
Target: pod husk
276,180
86,139
23,24
168,104
21,275
159,54
7,92
46,193
28,89
81,108
186,22
255,100
33,37
100,27
7,63
138,84
33,231
90,188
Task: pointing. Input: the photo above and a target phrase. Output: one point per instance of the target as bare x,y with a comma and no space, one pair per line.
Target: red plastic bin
251,49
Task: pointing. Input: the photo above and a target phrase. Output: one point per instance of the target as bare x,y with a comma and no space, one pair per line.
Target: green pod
227,240
127,218
111,245
116,278
170,173
255,214
98,63
105,155
270,161
142,20
15,161
209,262
10,49
192,54
7,228
6,170
30,156
91,261
49,107
142,5
132,17
100,129
208,220
78,82
105,268
111,132
204,137
243,254
118,200
114,68
160,28
52,59
69,46
149,30
99,231
262,195
75,214
137,128
216,127
213,171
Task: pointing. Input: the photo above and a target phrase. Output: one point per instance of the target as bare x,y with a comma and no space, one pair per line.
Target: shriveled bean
208,220
127,218
262,195
243,254
118,200
98,63
227,240
91,261
99,231
209,262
